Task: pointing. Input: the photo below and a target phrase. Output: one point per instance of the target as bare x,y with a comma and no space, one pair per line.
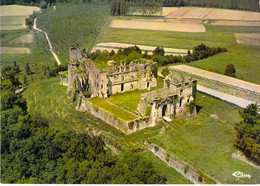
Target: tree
28,69
165,72
25,82
247,132
154,69
16,68
230,70
158,51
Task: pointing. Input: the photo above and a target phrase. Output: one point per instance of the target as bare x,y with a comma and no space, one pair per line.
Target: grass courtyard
130,100
116,111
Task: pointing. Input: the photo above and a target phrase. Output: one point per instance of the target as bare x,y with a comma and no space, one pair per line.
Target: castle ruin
85,77
176,99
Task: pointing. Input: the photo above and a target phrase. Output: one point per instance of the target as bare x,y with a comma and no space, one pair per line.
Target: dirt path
226,97
50,46
242,157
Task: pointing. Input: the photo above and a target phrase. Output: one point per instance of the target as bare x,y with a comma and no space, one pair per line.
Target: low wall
188,171
127,127
220,86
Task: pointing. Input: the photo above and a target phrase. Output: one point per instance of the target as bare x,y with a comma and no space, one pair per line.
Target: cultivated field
27,38
17,10
248,39
167,10
14,50
236,23
213,13
13,16
176,26
109,46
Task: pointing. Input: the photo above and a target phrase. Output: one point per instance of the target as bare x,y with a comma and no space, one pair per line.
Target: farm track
50,45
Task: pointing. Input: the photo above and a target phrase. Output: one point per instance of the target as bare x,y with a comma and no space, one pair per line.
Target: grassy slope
204,141
39,55
73,24
207,142
48,98
245,58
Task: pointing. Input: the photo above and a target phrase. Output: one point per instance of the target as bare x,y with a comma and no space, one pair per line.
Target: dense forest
248,133
119,7
33,152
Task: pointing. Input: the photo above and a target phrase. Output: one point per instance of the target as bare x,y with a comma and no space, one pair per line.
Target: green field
206,141
116,111
245,58
38,56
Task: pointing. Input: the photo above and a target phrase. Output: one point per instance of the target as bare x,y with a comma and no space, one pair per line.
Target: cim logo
240,174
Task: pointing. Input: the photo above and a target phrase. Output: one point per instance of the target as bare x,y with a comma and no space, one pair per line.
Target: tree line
134,53
143,7
247,132
33,152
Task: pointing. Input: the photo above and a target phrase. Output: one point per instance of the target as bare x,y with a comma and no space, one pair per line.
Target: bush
156,148
186,169
230,70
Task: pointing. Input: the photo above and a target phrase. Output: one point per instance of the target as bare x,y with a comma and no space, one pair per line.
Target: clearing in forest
248,39
163,25
213,13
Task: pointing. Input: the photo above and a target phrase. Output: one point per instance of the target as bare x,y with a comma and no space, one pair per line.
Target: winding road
51,49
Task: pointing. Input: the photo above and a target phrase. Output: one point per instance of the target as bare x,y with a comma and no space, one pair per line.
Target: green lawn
116,111
207,142
130,100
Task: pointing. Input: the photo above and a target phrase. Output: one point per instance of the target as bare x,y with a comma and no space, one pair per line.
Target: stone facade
86,78
176,99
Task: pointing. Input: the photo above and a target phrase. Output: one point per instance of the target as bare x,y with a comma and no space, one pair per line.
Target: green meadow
245,58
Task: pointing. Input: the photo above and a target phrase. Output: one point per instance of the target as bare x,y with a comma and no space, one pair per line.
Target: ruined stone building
175,99
85,77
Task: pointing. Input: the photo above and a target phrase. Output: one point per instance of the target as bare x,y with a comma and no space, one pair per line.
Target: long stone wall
220,86
188,171
127,127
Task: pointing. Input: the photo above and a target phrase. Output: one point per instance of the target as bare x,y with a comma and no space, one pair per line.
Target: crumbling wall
127,127
188,171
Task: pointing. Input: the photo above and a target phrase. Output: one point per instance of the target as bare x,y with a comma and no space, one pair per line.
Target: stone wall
188,171
127,127
222,87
